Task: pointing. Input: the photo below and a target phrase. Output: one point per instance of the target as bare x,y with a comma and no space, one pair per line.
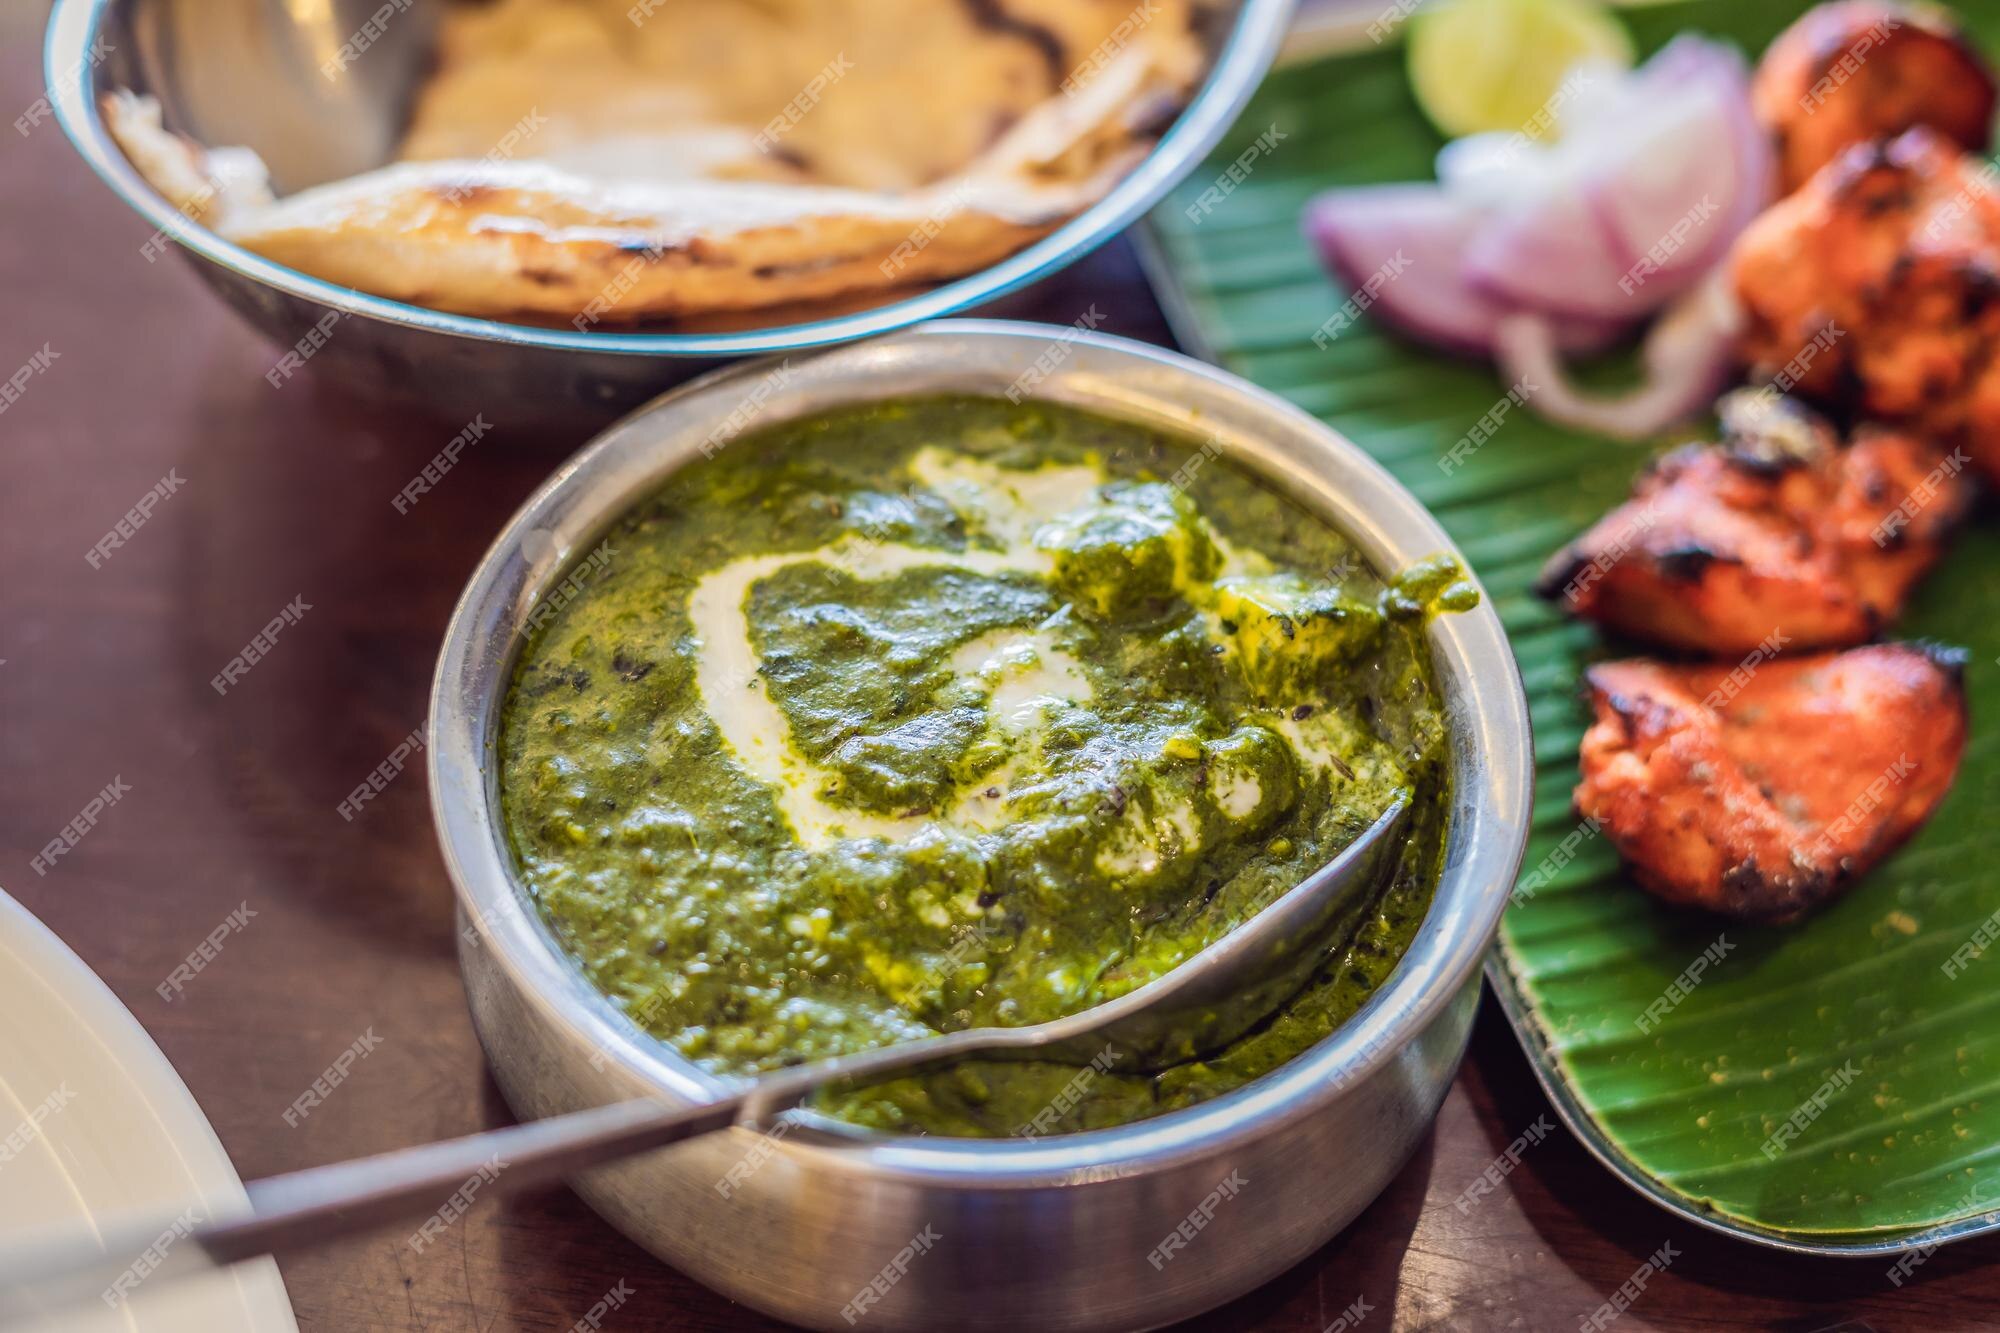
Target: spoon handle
324,1203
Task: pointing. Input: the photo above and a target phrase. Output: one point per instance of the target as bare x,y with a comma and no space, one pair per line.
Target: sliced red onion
1656,173
1686,359
1493,169
1637,201
1663,195
1595,92
1678,203
1688,56
1398,249
1552,253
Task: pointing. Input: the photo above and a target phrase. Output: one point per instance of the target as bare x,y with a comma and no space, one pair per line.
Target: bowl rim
1246,53
1486,710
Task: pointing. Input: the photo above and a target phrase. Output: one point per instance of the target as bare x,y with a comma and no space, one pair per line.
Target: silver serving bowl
1061,1233
247,72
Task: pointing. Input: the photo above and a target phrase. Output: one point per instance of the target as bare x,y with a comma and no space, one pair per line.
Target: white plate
118,1132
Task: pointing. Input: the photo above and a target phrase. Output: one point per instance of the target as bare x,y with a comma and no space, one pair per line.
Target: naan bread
588,161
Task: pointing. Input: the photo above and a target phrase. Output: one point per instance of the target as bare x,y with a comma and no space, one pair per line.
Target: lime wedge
1485,65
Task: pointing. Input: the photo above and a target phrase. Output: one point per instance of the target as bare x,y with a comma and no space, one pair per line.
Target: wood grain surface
284,494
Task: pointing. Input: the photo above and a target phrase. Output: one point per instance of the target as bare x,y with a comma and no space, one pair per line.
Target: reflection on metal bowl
1062,1233
247,72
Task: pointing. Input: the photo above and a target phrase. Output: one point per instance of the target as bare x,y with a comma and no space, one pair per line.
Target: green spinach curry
945,712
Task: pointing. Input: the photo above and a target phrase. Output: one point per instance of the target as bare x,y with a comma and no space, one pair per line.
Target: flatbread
601,162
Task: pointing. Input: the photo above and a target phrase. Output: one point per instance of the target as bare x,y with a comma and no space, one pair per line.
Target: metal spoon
1200,1006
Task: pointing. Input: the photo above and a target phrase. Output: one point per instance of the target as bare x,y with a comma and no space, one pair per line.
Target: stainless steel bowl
1051,1234
247,72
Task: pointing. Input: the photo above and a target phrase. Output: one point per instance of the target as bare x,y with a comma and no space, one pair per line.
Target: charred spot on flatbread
993,16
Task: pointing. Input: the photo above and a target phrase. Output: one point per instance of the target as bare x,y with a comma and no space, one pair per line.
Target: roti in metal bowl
603,162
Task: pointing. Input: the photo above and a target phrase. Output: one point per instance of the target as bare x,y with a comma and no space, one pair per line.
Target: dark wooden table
104,674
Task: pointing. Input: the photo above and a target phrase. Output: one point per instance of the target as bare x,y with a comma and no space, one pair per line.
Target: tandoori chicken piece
1763,790
1875,290
1780,536
1856,70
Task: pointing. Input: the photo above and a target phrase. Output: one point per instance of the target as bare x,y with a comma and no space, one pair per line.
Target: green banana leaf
1854,1015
